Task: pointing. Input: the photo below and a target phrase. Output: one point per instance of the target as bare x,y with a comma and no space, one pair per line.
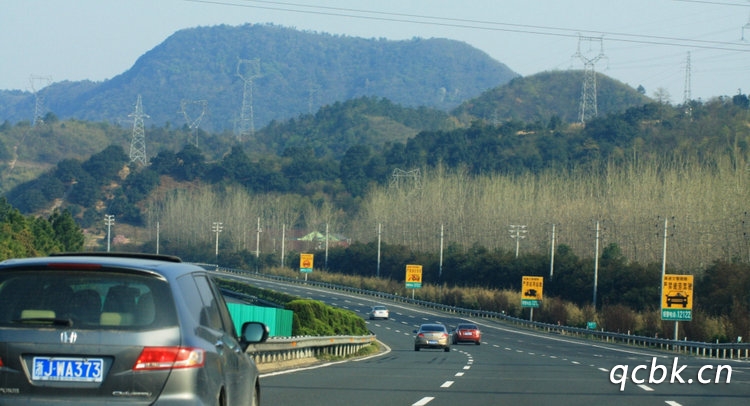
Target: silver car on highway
432,336
90,329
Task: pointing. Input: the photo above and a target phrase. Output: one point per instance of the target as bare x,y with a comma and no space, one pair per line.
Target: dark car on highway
94,329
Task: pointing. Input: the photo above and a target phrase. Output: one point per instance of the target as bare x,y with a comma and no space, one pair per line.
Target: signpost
677,299
306,264
532,288
413,277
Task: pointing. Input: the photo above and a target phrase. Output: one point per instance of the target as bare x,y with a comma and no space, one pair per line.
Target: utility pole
257,240
518,232
217,228
552,254
379,231
283,240
157,238
596,263
440,272
588,106
138,142
109,220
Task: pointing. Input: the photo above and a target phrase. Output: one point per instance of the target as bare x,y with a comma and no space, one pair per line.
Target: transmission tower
247,70
193,123
39,97
399,176
687,97
138,143
588,107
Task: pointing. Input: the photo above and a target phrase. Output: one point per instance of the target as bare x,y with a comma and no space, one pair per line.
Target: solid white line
447,384
423,401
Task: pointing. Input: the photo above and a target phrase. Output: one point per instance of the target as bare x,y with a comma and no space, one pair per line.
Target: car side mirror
254,332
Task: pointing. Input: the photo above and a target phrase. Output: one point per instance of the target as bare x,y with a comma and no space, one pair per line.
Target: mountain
542,96
286,73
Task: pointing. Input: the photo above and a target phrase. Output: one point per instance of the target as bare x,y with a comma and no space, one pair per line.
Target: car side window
210,315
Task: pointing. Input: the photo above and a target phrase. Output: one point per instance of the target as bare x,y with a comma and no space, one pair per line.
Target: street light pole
217,228
109,220
517,232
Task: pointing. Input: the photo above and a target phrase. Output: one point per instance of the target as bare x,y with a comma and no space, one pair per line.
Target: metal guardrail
280,349
702,349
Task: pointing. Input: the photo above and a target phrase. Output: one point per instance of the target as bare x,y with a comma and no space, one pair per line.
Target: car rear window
467,327
85,299
433,328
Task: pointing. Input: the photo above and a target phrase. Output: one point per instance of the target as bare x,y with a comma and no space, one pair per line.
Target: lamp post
109,220
217,228
518,232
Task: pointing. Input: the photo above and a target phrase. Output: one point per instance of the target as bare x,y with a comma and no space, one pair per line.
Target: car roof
167,266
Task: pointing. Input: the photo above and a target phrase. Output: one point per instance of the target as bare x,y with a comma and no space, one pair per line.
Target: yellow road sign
532,287
677,292
306,262
413,276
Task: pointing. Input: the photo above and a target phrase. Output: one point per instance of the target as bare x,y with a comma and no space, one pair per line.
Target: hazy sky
638,42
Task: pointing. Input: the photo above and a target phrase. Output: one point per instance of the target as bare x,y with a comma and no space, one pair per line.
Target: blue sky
641,42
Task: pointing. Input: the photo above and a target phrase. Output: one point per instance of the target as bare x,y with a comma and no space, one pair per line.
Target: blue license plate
67,369
432,342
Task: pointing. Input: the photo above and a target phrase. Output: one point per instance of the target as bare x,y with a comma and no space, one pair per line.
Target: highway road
511,366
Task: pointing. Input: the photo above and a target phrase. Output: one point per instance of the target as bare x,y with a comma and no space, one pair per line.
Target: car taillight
420,335
1,362
154,358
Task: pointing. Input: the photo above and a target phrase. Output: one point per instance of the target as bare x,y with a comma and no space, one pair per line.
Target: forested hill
549,95
292,72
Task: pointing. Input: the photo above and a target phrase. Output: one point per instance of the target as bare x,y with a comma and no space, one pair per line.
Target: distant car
677,298
90,328
467,333
432,336
379,312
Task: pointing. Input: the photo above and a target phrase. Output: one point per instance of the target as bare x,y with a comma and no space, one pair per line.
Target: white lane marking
423,401
646,388
672,403
447,384
459,374
467,367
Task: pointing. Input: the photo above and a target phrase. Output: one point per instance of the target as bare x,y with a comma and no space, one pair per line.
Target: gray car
432,335
93,329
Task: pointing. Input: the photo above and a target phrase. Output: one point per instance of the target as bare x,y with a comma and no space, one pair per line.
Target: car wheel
477,342
416,348
446,349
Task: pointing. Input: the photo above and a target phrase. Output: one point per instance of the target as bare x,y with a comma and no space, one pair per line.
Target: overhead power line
478,24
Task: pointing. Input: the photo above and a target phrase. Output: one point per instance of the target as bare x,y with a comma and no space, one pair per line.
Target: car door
236,368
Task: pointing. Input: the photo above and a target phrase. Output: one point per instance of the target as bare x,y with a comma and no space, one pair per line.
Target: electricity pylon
687,97
193,123
138,142
247,74
39,97
588,106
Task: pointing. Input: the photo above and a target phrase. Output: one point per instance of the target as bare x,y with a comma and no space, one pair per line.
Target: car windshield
85,299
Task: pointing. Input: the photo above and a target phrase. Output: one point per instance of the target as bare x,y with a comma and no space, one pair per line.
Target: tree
67,232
